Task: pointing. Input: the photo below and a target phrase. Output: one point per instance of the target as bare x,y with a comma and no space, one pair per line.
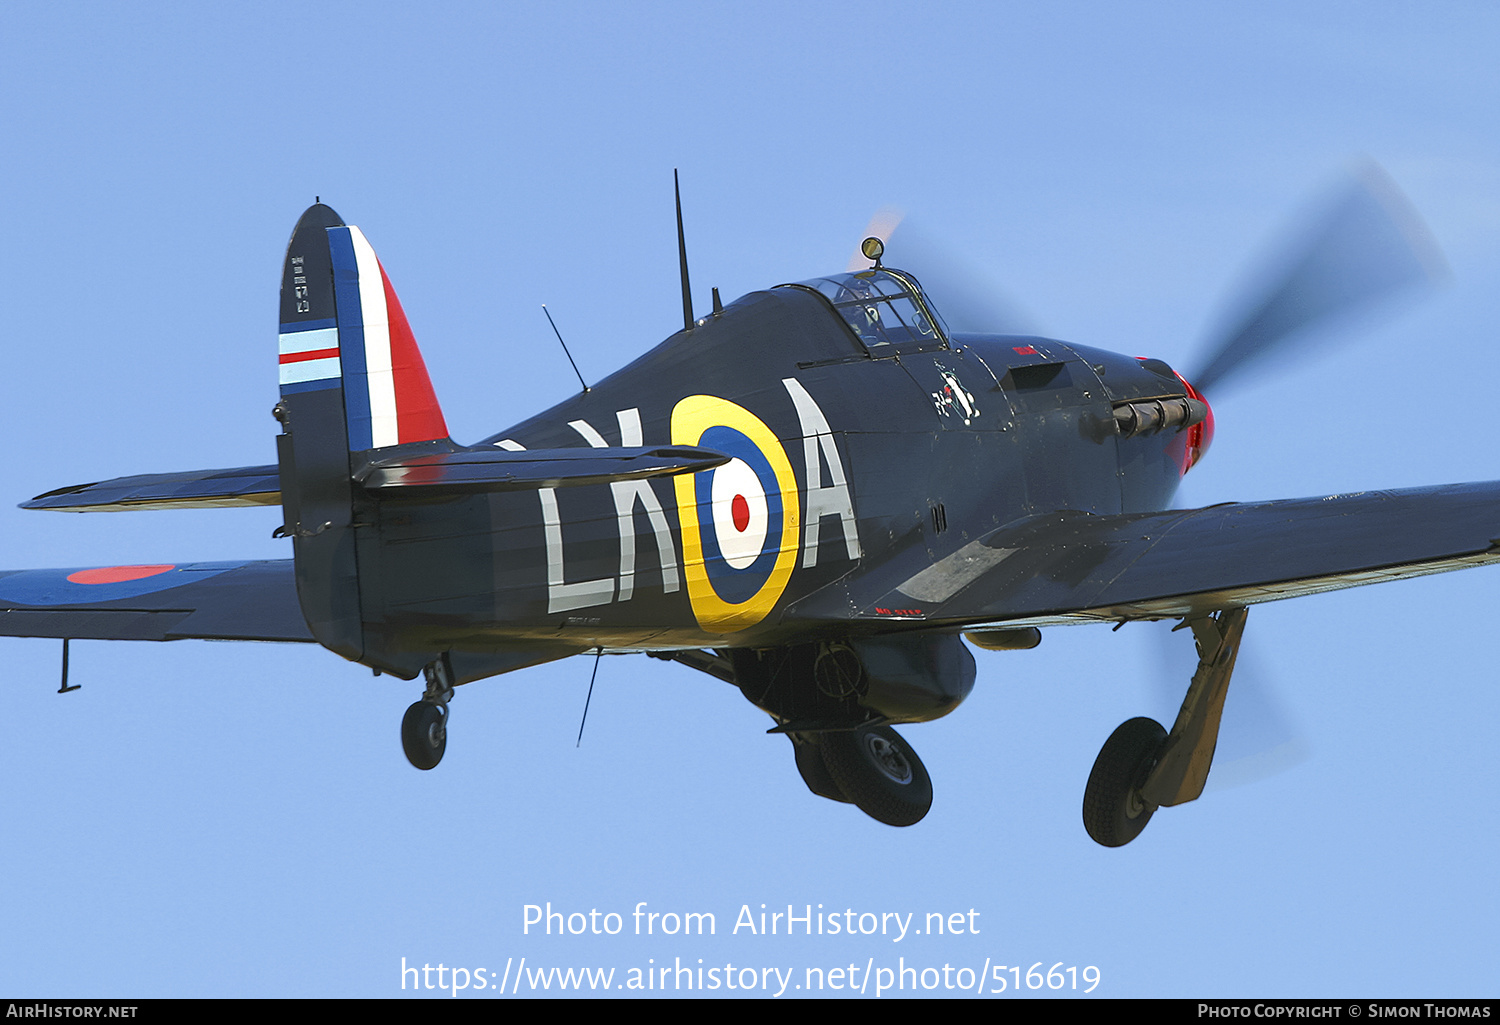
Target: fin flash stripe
388,397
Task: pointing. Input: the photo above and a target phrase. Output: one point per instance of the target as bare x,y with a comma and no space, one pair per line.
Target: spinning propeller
1367,246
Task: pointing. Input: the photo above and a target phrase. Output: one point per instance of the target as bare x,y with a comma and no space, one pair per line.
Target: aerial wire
598,654
565,346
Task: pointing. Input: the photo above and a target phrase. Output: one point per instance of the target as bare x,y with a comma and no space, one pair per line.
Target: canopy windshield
886,310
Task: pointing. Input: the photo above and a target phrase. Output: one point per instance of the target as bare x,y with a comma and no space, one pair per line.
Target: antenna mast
687,292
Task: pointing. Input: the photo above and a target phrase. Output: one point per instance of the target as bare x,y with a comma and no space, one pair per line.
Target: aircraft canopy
886,310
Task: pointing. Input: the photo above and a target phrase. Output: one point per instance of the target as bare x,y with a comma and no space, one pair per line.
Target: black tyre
424,734
1114,813
879,773
815,772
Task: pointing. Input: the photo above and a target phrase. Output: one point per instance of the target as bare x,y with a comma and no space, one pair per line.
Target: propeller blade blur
964,293
1369,245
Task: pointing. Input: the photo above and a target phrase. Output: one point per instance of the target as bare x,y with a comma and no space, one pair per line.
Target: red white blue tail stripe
368,349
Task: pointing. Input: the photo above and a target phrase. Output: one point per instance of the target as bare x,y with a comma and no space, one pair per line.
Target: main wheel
815,772
424,734
1114,813
879,773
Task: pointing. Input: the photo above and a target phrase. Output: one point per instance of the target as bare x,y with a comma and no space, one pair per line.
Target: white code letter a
822,499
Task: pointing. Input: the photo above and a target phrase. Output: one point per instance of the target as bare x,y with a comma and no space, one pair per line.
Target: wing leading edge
1073,567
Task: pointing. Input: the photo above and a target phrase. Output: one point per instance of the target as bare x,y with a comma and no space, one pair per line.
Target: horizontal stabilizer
191,489
503,470
435,473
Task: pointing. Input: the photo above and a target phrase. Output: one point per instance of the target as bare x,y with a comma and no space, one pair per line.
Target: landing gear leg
1142,767
424,728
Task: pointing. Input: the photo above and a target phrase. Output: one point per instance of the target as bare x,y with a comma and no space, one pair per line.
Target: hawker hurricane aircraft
813,493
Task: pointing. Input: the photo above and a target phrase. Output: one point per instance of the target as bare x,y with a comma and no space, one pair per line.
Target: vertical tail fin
342,327
352,380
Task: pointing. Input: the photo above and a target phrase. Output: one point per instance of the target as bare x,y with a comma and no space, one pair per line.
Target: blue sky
210,819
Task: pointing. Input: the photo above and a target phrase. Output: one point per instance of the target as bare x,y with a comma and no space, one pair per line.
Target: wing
1073,567
242,601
